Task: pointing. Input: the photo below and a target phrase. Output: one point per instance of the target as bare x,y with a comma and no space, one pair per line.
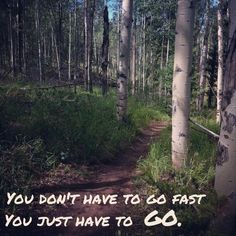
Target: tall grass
197,177
39,129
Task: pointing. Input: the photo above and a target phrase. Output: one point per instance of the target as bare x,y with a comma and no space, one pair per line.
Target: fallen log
205,130
49,87
202,128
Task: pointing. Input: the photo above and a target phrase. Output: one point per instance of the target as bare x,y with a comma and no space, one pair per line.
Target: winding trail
112,178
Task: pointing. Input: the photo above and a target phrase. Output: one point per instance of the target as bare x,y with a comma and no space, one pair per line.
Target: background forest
82,80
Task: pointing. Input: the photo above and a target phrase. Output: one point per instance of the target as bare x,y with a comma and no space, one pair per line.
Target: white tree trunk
181,82
161,68
54,42
225,179
220,63
86,42
89,7
144,52
124,59
118,38
76,67
203,59
133,66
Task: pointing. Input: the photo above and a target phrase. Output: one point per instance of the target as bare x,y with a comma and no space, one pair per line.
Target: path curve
112,178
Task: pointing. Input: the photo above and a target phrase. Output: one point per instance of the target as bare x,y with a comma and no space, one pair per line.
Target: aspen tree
225,178
220,62
203,59
133,61
124,59
181,82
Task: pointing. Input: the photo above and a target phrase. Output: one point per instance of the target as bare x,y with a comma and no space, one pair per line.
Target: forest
118,117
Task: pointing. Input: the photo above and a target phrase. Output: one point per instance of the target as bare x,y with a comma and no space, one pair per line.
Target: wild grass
40,128
197,177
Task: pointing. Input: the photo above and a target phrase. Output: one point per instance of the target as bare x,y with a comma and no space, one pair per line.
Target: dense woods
82,80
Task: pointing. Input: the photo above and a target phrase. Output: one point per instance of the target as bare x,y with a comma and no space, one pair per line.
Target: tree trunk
20,35
86,56
37,26
133,66
69,49
220,62
181,82
105,50
55,43
144,52
12,55
124,59
89,6
118,38
59,39
203,60
226,156
161,68
76,44
167,51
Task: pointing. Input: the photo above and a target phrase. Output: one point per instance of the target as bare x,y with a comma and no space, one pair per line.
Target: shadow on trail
80,186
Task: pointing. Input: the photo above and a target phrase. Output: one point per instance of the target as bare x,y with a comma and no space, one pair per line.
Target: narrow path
113,178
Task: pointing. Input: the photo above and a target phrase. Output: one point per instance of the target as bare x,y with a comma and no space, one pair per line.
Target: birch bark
225,178
181,82
220,62
124,59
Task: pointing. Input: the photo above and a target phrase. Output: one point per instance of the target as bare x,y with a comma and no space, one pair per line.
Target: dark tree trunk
89,7
20,34
105,50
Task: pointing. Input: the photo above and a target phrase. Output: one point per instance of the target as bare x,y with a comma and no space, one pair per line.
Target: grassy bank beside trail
196,178
39,129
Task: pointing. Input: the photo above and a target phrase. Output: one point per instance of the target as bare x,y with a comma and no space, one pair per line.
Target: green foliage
197,177
158,161
141,113
20,162
41,128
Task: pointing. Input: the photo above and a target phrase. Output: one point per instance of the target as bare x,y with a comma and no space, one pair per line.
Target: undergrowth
196,178
39,129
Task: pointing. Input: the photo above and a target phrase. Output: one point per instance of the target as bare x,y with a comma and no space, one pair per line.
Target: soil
116,177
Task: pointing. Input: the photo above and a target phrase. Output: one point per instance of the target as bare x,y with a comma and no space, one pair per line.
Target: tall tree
144,48
37,26
11,36
124,59
20,34
203,58
89,7
133,61
220,61
105,50
181,82
69,46
226,162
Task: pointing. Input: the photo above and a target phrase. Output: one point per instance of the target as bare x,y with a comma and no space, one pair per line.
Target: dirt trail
113,178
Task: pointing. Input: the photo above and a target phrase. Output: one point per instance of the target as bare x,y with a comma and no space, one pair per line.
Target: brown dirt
112,178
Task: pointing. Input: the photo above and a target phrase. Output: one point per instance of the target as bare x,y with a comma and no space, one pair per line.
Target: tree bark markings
220,62
124,59
105,50
226,155
181,82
